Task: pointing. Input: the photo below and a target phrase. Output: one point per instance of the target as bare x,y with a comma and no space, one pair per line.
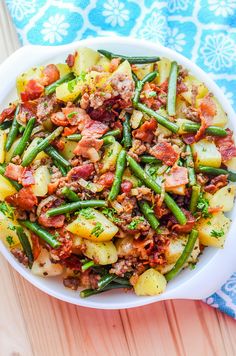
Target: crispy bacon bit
46,105
14,171
106,179
50,74
65,250
146,131
70,60
226,146
52,187
33,90
7,113
84,172
189,138
160,211
94,129
36,248
27,178
176,176
126,186
182,228
207,112
59,144
24,199
165,152
69,130
76,116
53,221
114,64
216,183
59,119
87,147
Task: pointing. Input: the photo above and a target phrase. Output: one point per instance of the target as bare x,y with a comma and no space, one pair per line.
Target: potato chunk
212,231
3,137
163,70
85,58
103,253
32,73
176,247
68,150
93,225
110,157
206,154
223,198
151,282
42,179
43,266
32,145
193,85
8,155
8,234
6,188
69,91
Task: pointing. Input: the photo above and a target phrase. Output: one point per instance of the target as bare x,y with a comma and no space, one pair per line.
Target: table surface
32,323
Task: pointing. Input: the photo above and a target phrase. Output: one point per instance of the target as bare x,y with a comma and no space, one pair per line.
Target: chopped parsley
134,224
9,240
151,94
217,234
11,227
203,206
72,114
87,213
109,213
97,230
6,210
109,153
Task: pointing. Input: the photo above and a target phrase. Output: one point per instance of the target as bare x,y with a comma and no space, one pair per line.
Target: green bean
42,233
196,189
211,130
69,194
23,238
139,86
217,171
184,256
24,139
120,167
89,292
15,184
135,78
13,131
113,133
52,152
127,138
43,144
131,60
52,87
74,137
150,183
5,125
87,265
105,280
21,129
149,159
172,86
68,208
160,119
190,166
62,169
108,140
149,214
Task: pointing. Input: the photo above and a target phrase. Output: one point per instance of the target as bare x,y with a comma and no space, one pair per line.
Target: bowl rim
222,262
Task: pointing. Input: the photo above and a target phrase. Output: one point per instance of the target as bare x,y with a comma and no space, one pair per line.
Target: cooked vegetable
193,84
172,83
149,214
52,87
44,267
6,188
194,198
52,152
85,58
24,139
164,70
150,282
127,138
149,159
42,178
132,60
68,208
14,183
120,167
88,292
110,156
223,198
32,146
211,130
217,171
176,247
190,166
74,137
8,226
113,133
205,153
42,233
5,125
3,137
139,86
184,256
69,194
23,238
104,253
13,131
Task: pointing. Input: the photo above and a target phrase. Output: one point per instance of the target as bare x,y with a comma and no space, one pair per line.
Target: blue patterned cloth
202,30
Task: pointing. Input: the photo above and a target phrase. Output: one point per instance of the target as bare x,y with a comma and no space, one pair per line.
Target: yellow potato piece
163,70
180,189
193,84
103,253
85,58
176,247
220,119
124,68
206,154
8,155
63,69
22,80
43,266
223,198
110,157
8,234
231,164
3,137
68,150
151,282
180,122
104,62
42,179
69,91
6,188
93,226
142,70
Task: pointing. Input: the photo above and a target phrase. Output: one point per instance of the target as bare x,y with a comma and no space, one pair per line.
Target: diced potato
3,137
142,70
223,198
95,226
8,234
31,146
42,179
163,269
180,189
212,231
176,247
181,107
231,164
123,68
63,69
8,155
105,63
68,150
43,266
77,241
130,177
97,80
110,157
206,154
136,119
163,70
193,85
6,188
150,282
85,58
22,80
220,119
180,122
69,91
104,253
125,246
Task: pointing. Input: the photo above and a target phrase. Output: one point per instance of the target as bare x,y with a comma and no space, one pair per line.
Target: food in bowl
116,171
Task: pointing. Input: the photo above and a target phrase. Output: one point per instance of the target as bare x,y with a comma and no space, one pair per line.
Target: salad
115,172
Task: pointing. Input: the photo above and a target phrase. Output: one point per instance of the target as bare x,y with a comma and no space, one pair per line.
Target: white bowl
214,266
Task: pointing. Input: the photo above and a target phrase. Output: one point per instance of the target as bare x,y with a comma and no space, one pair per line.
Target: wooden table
32,323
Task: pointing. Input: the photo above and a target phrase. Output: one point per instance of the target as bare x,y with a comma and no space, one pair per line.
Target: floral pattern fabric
202,30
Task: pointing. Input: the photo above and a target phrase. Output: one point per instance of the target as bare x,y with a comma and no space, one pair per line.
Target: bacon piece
94,129
188,138
52,187
84,172
33,90
27,178
88,147
7,113
50,74
146,131
106,179
176,176
69,130
76,116
182,228
165,152
59,119
114,64
70,60
53,221
216,183
207,112
65,249
24,199
36,248
14,171
126,186
46,105
226,146
59,144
